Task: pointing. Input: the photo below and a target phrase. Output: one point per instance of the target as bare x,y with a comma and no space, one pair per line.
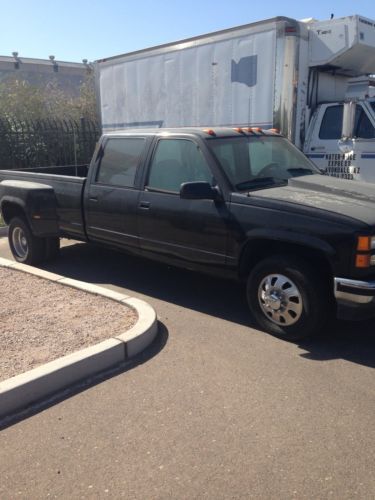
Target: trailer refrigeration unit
309,79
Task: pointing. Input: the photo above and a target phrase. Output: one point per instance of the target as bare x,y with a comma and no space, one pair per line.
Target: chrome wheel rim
280,300
19,241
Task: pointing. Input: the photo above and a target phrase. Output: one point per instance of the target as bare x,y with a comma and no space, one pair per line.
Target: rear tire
288,298
26,248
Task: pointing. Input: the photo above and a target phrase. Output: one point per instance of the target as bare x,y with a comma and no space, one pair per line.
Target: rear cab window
119,161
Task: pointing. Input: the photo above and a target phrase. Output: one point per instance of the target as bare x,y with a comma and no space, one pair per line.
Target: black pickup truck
240,203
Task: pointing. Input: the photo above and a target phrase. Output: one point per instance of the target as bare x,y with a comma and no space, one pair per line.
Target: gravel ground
41,321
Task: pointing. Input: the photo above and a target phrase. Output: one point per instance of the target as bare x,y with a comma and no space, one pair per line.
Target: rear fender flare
14,202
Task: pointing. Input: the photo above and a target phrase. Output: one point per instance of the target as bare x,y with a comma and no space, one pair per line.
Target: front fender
291,238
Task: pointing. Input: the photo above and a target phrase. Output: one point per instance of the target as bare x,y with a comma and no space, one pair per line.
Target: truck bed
68,183
65,170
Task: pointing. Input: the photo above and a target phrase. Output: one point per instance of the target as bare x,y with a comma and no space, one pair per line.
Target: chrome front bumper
353,292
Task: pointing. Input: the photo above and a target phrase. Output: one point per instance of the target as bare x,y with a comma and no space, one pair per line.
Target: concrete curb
22,390
3,231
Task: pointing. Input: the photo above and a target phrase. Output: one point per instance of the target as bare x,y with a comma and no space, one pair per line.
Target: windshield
261,161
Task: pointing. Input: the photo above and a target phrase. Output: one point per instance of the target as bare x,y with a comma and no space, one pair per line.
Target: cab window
363,128
177,161
119,162
331,126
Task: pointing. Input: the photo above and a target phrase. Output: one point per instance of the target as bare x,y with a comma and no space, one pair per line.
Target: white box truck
309,79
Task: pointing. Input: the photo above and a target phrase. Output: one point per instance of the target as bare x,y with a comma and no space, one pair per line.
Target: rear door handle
145,205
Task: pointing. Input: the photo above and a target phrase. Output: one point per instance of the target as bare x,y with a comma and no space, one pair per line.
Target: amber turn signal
362,260
364,243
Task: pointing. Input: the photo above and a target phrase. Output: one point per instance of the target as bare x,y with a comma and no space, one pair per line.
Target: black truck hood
355,200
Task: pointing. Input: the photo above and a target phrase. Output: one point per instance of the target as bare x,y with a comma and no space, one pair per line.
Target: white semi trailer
309,79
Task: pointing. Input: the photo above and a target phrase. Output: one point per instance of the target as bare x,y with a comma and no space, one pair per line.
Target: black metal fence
48,142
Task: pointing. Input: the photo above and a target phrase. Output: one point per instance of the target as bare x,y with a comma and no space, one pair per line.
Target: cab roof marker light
209,131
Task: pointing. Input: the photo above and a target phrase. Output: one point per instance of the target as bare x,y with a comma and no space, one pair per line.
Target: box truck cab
309,79
341,135
340,149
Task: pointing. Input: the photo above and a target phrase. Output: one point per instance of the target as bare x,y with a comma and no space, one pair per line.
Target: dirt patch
41,321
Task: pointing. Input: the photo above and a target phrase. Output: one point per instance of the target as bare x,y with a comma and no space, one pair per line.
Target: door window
331,126
363,129
177,161
119,163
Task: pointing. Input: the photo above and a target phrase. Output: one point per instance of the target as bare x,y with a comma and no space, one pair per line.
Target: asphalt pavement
215,409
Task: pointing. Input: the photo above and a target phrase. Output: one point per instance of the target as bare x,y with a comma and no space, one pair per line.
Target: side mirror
199,191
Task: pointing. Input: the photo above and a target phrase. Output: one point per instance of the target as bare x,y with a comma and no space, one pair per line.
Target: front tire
26,248
288,298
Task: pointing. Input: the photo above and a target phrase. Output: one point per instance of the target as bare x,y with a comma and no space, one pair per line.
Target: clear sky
75,29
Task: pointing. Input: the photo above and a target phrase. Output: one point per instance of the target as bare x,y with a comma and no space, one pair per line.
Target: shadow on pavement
155,348
140,276
352,341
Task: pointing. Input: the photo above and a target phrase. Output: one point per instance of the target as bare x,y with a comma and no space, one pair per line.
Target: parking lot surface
216,410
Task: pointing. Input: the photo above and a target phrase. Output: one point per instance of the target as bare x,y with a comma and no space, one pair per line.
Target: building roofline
44,62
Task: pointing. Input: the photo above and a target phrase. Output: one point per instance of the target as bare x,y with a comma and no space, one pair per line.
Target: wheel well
10,210
257,250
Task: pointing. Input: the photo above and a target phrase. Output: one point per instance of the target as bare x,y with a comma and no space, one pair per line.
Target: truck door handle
145,205
321,148
93,198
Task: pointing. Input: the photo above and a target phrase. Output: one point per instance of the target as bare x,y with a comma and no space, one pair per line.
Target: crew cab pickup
240,203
